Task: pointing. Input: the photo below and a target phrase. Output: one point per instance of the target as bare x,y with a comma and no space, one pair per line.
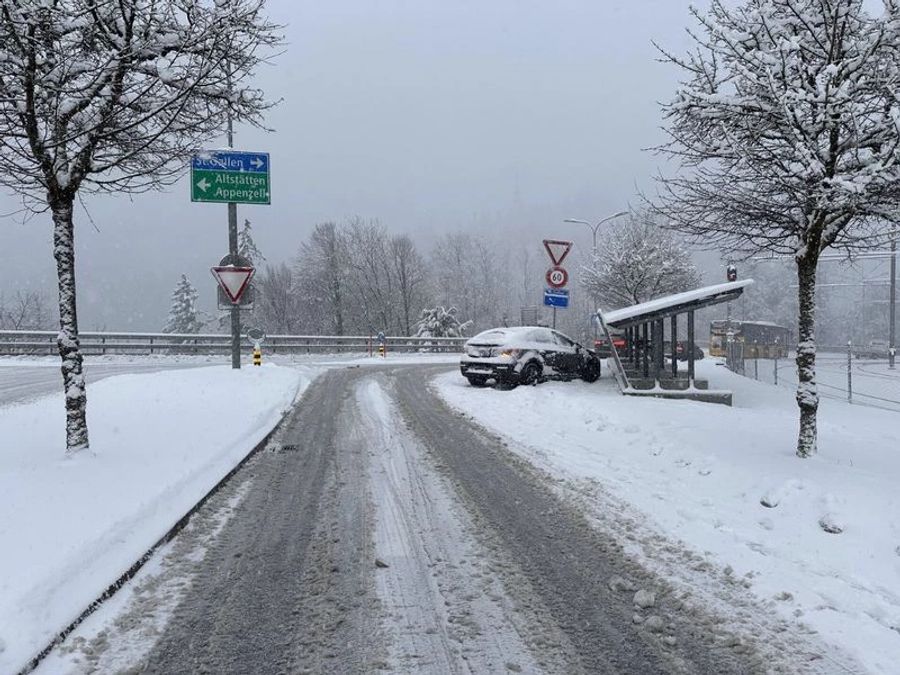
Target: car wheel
530,374
477,380
590,372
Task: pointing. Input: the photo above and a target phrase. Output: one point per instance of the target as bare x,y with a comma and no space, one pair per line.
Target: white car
525,355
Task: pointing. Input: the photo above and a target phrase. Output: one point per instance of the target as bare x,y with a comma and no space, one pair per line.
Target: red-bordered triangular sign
233,280
557,250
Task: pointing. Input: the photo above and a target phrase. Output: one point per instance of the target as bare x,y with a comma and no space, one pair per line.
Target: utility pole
892,331
233,252
594,229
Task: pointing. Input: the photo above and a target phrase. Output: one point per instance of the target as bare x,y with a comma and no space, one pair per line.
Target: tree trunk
336,300
807,395
67,340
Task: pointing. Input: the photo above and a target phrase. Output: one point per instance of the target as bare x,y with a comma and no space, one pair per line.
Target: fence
16,342
868,382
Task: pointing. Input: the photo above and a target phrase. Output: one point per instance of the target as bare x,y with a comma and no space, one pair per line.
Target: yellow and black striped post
381,350
257,356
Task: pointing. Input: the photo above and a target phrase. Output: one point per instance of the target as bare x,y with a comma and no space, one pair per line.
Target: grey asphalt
288,586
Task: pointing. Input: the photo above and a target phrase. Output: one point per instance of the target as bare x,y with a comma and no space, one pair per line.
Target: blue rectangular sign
231,160
556,297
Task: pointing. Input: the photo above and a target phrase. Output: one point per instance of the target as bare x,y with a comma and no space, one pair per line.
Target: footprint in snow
833,520
775,495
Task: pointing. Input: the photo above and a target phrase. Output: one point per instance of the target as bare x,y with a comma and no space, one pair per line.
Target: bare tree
277,302
372,276
466,273
412,281
320,277
785,126
109,96
638,261
27,310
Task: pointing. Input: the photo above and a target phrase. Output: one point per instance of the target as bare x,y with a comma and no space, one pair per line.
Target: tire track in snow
443,608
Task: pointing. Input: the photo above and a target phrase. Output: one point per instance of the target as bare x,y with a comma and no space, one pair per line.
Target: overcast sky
498,116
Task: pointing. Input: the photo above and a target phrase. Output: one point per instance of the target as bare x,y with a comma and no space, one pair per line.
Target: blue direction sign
556,297
230,176
231,160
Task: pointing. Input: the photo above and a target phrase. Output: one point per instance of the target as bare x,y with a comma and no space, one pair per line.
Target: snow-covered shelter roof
679,303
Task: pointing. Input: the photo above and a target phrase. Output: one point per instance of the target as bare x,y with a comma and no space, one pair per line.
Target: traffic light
731,272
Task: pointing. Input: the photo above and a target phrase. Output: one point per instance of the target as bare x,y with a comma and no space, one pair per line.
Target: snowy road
20,382
381,530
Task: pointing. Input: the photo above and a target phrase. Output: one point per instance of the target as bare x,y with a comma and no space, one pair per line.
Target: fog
502,118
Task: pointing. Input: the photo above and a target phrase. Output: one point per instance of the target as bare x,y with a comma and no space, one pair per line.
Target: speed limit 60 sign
557,277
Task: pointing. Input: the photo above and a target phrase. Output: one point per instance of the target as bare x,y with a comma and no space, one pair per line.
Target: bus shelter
651,334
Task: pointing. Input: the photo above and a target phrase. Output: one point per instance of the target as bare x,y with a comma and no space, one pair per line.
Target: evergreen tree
183,315
440,322
247,247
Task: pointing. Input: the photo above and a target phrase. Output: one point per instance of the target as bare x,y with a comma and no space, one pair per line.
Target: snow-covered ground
159,442
699,473
873,383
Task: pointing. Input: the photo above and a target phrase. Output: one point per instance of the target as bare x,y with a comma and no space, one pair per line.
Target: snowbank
159,442
700,472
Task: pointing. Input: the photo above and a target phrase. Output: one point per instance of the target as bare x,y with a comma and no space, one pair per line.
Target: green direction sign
224,176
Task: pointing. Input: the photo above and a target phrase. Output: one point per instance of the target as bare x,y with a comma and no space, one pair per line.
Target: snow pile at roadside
159,442
725,481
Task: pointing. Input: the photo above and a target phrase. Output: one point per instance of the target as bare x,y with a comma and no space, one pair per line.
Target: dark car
875,349
681,351
526,355
601,345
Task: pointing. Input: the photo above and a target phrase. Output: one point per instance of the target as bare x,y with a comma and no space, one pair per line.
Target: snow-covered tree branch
104,95
440,322
637,261
787,131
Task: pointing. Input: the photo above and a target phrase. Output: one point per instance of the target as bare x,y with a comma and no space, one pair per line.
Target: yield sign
233,280
557,250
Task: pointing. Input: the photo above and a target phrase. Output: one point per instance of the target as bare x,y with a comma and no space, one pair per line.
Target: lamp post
595,227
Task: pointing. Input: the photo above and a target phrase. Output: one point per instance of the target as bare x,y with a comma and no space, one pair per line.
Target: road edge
170,534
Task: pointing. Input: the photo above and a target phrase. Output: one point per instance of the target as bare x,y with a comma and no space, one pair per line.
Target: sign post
231,177
556,277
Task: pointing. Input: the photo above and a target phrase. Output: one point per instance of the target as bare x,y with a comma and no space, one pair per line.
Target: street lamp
596,227
593,229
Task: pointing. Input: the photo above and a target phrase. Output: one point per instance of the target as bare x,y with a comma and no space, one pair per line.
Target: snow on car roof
670,301
504,330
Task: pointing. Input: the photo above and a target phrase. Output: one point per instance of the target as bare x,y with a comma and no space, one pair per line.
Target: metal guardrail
19,342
